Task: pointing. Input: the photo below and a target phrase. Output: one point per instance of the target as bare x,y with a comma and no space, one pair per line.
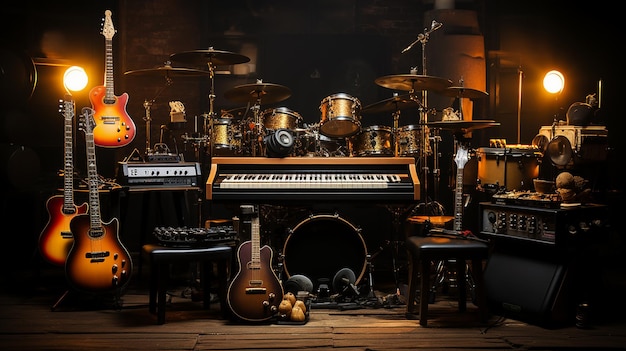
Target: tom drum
340,115
281,118
373,141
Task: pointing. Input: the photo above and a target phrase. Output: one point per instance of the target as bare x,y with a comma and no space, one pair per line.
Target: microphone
420,37
435,25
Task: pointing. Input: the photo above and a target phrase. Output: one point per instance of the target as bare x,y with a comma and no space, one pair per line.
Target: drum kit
280,131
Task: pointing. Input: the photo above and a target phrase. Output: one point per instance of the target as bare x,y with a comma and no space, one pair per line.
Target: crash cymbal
168,71
267,93
216,57
414,82
463,126
393,104
463,92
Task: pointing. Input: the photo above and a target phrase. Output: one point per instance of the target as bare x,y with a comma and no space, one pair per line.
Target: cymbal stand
396,119
147,105
208,127
257,140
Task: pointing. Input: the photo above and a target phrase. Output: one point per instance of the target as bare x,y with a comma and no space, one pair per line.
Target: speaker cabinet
528,289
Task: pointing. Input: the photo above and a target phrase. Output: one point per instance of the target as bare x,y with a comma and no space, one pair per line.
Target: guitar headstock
107,28
68,108
86,121
461,157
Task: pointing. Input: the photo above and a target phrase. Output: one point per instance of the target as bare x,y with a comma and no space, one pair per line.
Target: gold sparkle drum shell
373,141
281,118
340,115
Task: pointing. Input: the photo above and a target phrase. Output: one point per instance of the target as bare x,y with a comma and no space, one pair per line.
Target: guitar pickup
95,255
66,235
256,290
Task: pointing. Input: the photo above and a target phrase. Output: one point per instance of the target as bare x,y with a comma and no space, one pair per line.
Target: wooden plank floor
27,322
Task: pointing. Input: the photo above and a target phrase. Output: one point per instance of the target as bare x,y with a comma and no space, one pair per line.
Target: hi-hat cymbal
216,57
463,126
267,93
393,104
168,71
463,92
414,82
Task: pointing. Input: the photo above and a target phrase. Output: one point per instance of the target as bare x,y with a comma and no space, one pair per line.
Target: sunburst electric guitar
114,127
56,238
255,292
97,261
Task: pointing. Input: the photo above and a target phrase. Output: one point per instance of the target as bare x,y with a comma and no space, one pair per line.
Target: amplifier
542,261
159,174
552,226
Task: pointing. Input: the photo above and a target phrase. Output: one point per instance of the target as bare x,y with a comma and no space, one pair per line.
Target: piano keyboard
313,178
309,181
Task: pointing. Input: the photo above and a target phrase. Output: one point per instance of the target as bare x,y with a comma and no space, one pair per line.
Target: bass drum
321,245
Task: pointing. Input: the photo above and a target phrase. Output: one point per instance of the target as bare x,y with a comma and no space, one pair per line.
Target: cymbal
463,126
168,71
266,92
395,103
463,92
216,57
415,82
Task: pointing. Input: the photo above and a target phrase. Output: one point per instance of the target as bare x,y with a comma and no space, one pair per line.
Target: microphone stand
423,110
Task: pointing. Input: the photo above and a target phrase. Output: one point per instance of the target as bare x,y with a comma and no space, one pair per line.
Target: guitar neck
68,168
109,97
458,201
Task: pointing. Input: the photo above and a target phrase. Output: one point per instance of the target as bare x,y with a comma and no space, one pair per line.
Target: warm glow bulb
75,78
554,82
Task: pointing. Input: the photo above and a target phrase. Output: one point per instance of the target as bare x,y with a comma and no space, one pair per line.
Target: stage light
554,82
75,79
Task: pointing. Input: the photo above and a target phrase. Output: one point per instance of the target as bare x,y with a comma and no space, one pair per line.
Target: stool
423,250
160,259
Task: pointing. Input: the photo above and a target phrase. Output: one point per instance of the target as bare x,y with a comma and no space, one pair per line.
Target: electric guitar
255,292
56,238
114,127
461,158
97,261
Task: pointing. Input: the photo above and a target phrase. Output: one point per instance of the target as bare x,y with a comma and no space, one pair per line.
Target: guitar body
114,127
255,293
56,238
97,263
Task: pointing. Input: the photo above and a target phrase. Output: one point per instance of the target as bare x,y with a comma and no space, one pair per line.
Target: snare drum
373,141
410,140
340,115
226,134
280,118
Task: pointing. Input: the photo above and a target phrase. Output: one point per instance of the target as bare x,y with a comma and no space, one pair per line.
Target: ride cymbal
215,57
393,104
463,92
168,71
413,82
267,93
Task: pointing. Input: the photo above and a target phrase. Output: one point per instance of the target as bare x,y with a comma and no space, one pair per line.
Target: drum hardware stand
147,104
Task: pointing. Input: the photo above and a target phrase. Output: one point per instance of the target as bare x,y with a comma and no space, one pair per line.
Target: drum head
322,245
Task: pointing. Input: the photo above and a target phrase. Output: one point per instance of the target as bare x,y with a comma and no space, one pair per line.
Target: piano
384,179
